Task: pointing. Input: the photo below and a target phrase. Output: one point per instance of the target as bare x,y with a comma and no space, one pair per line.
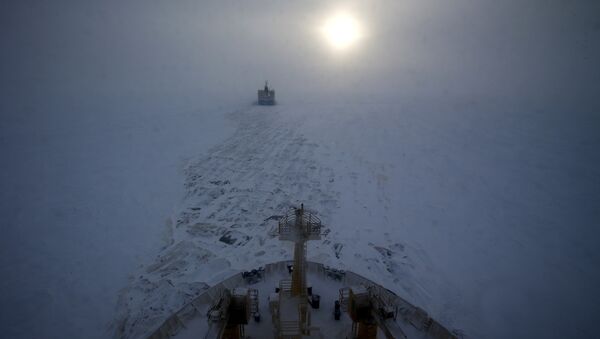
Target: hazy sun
341,30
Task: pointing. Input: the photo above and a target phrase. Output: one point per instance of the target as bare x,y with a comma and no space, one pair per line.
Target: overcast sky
535,49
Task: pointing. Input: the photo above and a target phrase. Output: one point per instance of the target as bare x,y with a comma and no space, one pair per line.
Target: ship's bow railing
304,224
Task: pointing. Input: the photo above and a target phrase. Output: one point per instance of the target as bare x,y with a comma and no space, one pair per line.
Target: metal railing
310,225
410,313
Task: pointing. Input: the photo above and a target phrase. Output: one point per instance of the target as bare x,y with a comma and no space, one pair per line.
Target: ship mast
299,227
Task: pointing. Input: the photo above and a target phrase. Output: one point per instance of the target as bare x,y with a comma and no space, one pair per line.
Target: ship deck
408,322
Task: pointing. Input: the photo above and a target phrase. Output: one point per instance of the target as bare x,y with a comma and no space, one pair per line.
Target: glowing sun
341,31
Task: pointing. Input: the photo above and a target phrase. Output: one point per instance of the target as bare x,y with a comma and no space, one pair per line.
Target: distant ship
302,299
266,96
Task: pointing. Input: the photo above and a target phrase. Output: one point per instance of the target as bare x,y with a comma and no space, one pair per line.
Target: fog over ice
103,102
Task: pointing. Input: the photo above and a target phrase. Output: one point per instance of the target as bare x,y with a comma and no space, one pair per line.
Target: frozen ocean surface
463,218
453,159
